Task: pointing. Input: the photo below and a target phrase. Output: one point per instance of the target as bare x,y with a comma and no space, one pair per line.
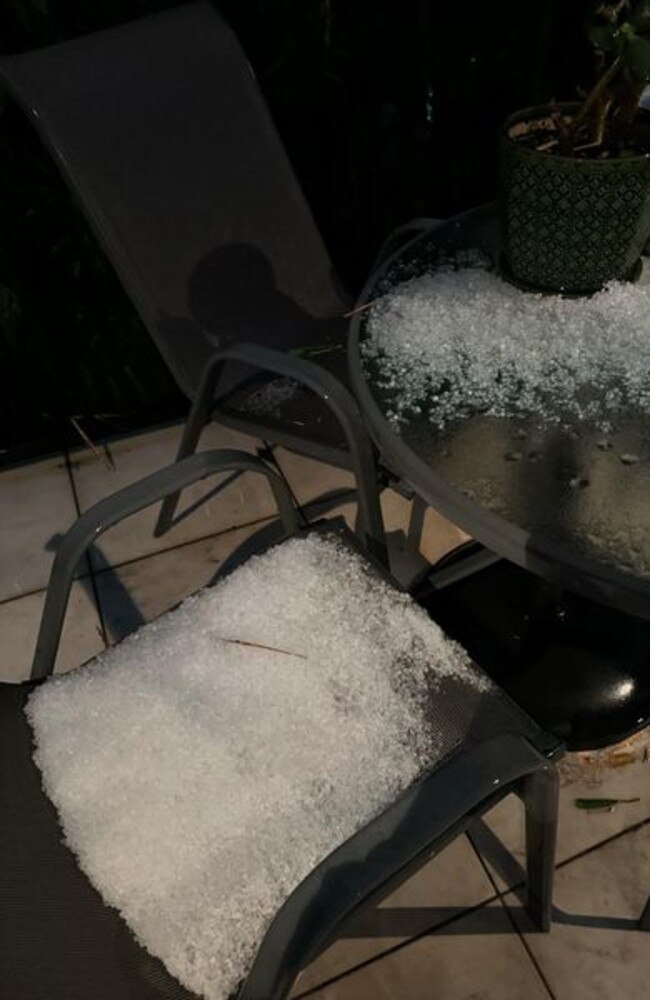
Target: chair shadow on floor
410,922
120,613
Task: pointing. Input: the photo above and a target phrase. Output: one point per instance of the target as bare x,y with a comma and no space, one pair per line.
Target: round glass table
556,499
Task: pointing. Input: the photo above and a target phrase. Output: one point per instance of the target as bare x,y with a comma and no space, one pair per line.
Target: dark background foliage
388,109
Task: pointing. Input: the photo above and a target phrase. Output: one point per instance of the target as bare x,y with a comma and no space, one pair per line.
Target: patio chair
163,137
579,668
61,940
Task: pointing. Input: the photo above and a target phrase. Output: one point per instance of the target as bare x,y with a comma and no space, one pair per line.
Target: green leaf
603,36
637,57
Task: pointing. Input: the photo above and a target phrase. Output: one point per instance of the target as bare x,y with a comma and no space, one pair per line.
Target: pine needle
359,309
260,645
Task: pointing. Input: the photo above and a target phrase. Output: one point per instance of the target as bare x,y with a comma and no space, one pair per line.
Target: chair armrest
383,853
340,402
402,235
122,504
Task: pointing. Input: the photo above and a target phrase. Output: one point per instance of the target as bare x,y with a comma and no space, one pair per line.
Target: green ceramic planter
570,225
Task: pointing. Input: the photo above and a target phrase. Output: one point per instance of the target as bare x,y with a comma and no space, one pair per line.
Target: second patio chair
160,130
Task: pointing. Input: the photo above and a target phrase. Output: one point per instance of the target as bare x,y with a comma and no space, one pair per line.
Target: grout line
463,912
603,843
90,574
184,545
483,863
510,917
71,480
149,555
502,893
25,593
269,449
515,886
142,558
528,950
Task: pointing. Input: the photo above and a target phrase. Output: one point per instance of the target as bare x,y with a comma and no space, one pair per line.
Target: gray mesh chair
60,940
163,137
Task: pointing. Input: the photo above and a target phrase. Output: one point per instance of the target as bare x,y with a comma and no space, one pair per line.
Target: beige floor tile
36,503
479,957
445,886
585,962
432,534
439,536
139,591
578,830
310,479
246,500
19,622
395,511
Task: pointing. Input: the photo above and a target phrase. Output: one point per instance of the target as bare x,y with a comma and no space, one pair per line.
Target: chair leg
540,796
196,421
644,922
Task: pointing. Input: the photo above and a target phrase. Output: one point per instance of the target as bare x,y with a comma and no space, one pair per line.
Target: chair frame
390,848
330,391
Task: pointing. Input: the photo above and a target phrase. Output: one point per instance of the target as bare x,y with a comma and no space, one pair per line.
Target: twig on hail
260,645
358,309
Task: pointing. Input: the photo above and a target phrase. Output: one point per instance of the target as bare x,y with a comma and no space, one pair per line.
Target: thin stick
594,96
260,645
359,309
108,462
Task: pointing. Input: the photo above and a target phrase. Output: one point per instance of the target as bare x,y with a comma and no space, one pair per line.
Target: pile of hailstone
205,765
454,343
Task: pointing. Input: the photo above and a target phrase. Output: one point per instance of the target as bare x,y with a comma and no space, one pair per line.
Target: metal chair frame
391,847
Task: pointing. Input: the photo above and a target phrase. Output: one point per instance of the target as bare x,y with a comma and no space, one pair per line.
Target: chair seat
57,937
202,768
282,411
580,669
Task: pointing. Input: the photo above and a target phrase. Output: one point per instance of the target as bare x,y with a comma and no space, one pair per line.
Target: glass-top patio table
563,500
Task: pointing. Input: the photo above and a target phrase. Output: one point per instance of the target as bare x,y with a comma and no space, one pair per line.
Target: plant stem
595,95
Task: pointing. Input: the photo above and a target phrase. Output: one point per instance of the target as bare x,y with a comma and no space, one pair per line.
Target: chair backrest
161,132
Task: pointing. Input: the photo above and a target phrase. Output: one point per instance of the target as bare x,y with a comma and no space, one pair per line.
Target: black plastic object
580,669
556,500
160,130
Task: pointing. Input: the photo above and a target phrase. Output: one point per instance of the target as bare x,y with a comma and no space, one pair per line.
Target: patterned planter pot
570,225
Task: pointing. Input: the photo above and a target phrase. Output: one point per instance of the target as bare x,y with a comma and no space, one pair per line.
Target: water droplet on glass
629,459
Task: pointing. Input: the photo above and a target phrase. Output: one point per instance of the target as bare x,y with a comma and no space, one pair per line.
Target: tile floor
456,931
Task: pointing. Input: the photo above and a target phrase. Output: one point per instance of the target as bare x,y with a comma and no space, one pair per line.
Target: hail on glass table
523,417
